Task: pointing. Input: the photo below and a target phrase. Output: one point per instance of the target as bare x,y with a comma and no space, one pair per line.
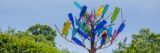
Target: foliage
10,30
23,42
144,42
44,30
10,44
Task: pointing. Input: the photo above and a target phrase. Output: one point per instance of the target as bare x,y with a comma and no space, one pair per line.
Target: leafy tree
10,44
22,42
144,42
42,29
21,34
65,50
10,30
0,30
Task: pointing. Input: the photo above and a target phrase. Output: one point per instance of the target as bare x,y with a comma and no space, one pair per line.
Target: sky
21,14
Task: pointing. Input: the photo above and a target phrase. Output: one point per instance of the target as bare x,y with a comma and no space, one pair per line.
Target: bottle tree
92,27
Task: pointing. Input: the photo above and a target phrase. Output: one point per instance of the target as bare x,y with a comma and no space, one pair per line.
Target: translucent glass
77,41
100,30
80,7
85,15
121,27
103,35
102,41
115,13
98,22
77,5
105,9
100,25
74,31
71,18
100,10
105,30
66,27
114,35
94,33
80,24
109,32
90,18
83,34
105,40
83,18
86,27
66,33
82,12
84,21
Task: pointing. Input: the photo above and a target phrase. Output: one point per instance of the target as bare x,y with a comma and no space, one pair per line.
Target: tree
25,44
92,27
10,30
0,30
144,42
42,29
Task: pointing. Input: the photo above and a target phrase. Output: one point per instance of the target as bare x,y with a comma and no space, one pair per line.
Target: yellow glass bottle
105,41
100,11
104,31
65,28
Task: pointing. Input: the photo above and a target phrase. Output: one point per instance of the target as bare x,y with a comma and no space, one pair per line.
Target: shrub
25,44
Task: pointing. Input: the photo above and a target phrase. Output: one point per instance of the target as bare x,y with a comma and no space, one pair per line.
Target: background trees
12,41
42,30
144,42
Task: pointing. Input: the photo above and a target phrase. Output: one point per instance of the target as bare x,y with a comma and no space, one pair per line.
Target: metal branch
98,20
103,47
108,16
110,24
106,43
62,35
106,46
97,40
69,40
102,18
70,28
122,15
83,39
80,25
94,17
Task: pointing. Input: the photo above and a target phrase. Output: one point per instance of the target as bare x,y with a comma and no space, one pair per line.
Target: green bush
144,42
25,44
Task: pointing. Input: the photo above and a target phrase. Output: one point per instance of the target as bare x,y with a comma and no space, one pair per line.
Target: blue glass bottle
100,25
77,41
121,27
82,12
83,34
71,18
100,31
109,32
102,42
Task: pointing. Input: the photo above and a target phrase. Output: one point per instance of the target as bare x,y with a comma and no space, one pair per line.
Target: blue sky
21,14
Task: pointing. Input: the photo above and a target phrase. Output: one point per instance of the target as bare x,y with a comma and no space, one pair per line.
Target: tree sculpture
92,27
